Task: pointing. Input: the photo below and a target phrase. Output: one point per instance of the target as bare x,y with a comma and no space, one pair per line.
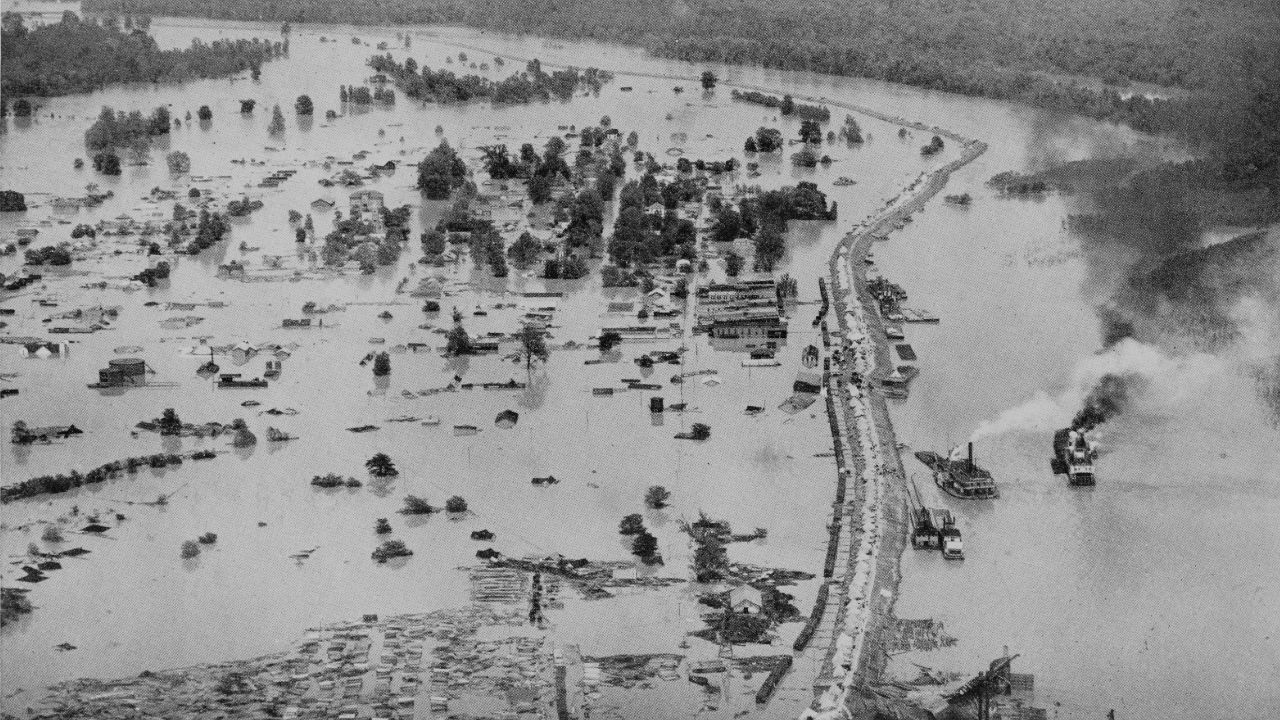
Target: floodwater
1163,576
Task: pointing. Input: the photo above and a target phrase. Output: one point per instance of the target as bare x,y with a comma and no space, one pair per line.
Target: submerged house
746,600
366,202
807,381
123,372
43,350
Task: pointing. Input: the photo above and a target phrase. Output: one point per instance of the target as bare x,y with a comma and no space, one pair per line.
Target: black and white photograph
640,360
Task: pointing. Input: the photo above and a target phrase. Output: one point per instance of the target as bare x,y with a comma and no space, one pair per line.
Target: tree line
444,86
1003,49
76,55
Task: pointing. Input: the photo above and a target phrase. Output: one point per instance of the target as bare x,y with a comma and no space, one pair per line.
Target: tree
810,131
381,364
768,139
710,559
277,121
656,497
303,105
533,346
52,534
525,250
458,342
645,546
554,148
456,504
382,527
633,138
708,80
632,524
204,113
609,339
190,549
12,201
244,437
851,133
380,465
169,422
498,163
732,264
414,505
178,161
540,187
391,549
788,105
728,225
440,172
769,247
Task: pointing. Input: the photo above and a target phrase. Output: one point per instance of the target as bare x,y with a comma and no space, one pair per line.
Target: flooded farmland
1164,575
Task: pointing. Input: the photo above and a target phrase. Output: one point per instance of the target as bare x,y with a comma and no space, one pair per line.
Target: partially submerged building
746,600
747,323
123,372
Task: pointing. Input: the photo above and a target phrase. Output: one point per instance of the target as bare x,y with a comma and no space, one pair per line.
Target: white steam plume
1171,379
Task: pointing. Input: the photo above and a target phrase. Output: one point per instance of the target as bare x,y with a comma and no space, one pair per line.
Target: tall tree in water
533,346
277,121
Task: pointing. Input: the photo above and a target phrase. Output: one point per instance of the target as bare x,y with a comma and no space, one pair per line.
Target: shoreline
871,582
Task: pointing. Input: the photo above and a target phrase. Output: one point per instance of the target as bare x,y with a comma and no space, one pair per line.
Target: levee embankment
878,523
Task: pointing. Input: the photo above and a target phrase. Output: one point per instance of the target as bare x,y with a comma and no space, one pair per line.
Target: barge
933,528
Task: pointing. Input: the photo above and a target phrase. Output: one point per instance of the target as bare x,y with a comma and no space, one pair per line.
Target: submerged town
421,373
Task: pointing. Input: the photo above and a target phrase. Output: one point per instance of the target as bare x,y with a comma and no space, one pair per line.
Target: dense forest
77,55
996,48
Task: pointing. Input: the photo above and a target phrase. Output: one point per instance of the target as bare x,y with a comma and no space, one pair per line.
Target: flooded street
1154,593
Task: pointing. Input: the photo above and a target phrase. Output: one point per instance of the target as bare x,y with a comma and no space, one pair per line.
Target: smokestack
971,457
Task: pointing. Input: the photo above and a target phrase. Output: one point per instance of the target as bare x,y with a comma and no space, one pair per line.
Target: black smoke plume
1110,397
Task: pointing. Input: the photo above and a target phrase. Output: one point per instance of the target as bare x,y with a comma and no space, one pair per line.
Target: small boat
754,410
385,315
431,421
465,430
363,428
843,181
548,480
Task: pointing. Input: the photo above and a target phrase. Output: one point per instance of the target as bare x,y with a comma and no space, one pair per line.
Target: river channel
1155,593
